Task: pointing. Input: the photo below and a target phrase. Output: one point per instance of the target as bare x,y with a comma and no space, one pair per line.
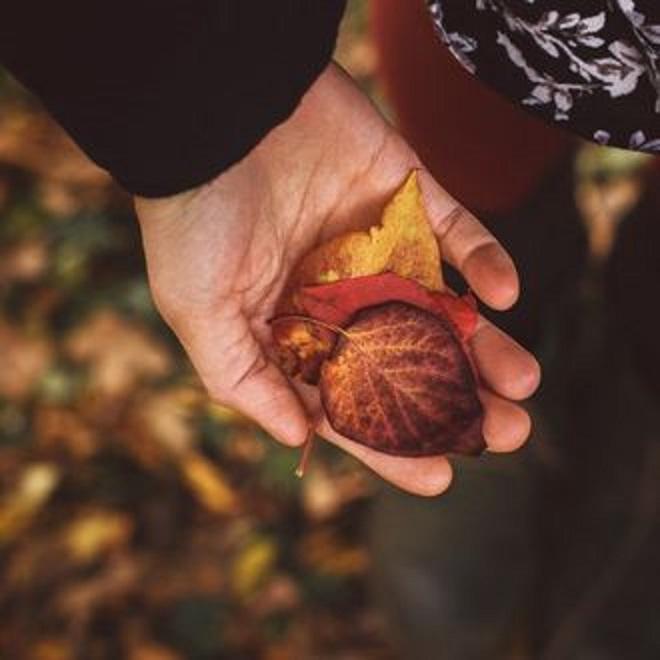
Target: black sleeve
165,94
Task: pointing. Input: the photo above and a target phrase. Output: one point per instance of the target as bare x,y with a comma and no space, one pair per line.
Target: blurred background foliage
137,520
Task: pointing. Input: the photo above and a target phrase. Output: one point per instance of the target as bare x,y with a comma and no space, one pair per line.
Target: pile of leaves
137,520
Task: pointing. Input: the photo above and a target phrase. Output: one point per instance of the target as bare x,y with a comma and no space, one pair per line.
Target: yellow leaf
253,564
34,487
403,243
96,532
208,484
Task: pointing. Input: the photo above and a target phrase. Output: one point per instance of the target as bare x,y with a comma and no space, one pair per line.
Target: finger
503,364
427,476
506,425
469,247
237,373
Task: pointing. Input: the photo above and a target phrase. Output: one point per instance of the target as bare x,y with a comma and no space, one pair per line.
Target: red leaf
399,381
336,303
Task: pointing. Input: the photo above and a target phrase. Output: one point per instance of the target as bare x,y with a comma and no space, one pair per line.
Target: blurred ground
137,520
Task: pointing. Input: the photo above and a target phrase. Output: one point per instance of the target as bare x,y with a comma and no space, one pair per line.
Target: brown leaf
52,649
23,361
34,142
152,651
167,416
58,429
400,382
325,551
119,353
119,578
326,493
23,262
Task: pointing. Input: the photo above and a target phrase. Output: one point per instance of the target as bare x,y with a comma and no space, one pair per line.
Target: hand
218,257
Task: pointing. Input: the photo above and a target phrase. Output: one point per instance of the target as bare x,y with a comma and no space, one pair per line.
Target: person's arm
166,94
269,150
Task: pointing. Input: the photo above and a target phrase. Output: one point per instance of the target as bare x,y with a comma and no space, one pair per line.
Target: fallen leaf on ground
325,551
60,430
95,533
208,484
253,564
35,485
119,353
23,262
23,361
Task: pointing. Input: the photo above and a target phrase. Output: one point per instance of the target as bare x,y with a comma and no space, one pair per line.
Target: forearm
167,94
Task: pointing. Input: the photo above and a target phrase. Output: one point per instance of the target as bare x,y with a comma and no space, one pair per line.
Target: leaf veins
399,381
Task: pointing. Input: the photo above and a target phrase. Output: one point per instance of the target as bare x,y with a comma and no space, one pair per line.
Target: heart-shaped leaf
399,381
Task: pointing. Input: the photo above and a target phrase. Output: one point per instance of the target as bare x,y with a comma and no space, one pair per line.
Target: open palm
219,256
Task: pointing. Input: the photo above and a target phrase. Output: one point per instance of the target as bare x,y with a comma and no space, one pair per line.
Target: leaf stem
313,321
306,452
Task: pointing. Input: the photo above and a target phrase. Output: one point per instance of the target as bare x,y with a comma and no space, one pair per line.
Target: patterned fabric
591,66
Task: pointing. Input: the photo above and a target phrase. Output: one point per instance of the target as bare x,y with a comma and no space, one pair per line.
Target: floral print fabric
592,66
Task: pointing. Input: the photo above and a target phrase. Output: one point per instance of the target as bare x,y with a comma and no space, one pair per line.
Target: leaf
637,140
255,562
591,41
569,21
65,432
325,493
548,19
24,360
149,650
329,554
336,303
208,484
369,322
591,24
23,262
400,382
652,33
35,486
96,533
120,353
403,244
52,648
